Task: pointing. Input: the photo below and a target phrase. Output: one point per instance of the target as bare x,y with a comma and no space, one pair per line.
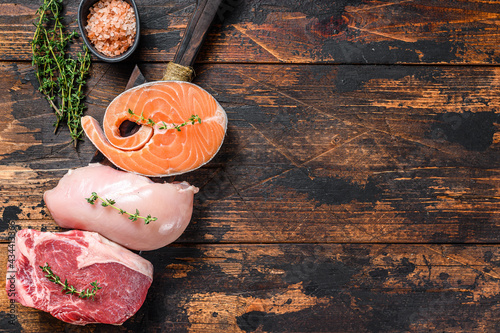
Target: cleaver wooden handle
196,32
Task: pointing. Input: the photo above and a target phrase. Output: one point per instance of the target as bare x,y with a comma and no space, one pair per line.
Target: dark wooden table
357,189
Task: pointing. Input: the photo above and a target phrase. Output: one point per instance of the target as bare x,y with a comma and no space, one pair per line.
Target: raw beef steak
80,257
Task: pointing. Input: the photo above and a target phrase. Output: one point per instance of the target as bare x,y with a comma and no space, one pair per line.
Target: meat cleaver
189,47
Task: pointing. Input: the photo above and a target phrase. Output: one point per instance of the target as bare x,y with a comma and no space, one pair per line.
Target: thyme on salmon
69,289
111,203
140,119
61,77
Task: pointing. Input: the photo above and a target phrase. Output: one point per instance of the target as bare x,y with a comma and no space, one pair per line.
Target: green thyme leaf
69,289
111,203
61,78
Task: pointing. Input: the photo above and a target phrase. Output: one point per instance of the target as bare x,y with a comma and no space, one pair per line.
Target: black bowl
83,12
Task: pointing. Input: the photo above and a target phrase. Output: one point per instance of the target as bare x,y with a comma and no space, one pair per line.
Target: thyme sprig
140,120
69,289
61,78
111,203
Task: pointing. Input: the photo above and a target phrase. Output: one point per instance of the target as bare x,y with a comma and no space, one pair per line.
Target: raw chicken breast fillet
171,204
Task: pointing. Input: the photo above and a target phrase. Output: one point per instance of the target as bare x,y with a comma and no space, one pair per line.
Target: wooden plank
324,154
356,32
305,288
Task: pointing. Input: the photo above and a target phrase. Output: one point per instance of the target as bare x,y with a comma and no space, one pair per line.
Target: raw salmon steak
170,141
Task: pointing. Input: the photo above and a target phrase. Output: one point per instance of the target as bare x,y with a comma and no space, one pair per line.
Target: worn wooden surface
358,188
311,31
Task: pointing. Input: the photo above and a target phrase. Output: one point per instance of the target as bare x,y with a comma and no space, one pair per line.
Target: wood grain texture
306,288
358,187
313,153
346,31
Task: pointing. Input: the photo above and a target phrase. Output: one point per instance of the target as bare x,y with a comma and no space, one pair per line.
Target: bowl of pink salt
110,28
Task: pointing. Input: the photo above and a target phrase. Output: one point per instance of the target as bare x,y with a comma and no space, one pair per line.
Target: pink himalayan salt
111,26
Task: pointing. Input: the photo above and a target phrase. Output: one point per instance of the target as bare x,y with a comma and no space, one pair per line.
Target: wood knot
330,26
